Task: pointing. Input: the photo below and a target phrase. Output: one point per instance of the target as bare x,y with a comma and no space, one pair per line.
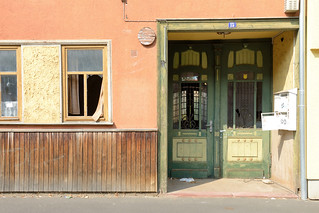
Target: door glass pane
176,105
244,105
9,97
230,105
94,83
204,101
75,95
190,76
190,106
85,60
8,61
259,104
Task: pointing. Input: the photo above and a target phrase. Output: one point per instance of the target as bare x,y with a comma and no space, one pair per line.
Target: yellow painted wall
41,84
284,75
284,144
312,89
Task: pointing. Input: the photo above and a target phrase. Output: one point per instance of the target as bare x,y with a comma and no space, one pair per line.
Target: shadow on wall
315,52
285,136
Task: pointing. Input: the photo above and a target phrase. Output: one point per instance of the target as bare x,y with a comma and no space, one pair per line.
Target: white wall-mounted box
285,112
269,121
291,6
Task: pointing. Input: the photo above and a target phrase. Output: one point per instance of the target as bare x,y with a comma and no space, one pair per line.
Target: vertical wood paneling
109,162
22,161
113,162
148,162
129,161
138,162
76,150
143,163
94,162
70,162
81,163
27,162
46,152
133,164
51,163
153,161
99,161
55,161
119,161
60,160
90,161
11,162
78,161
123,162
16,144
41,161
104,161
65,160
36,162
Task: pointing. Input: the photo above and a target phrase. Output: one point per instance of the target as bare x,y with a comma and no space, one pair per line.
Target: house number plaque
146,36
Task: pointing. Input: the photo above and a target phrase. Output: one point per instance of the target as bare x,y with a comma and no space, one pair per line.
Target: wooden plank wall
78,161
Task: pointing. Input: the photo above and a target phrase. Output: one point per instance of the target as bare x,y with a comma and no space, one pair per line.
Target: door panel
190,109
246,76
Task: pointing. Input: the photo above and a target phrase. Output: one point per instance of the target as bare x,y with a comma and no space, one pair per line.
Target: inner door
246,93
190,110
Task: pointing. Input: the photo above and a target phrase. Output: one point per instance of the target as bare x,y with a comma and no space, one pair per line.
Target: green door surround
198,25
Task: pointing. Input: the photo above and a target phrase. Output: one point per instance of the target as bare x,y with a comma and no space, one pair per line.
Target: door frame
164,26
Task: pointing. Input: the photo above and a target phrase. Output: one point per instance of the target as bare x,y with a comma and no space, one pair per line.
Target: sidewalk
256,188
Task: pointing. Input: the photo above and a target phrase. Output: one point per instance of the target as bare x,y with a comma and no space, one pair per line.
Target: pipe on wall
303,180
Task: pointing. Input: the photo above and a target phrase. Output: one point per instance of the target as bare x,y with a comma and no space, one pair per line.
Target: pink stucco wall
134,75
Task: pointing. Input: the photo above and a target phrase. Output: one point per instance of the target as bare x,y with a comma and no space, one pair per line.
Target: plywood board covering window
84,83
10,107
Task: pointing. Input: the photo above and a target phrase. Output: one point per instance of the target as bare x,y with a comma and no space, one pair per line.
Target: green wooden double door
217,92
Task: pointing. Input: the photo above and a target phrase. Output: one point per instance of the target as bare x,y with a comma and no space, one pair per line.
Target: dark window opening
190,106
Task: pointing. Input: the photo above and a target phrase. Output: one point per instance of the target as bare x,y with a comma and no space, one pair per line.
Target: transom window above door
84,82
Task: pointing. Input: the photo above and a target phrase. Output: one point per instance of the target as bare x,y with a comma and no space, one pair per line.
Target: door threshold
228,188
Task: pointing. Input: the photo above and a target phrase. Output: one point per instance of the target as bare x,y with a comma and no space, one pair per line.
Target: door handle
210,125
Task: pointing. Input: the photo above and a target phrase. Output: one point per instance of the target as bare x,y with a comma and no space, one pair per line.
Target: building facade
312,100
109,96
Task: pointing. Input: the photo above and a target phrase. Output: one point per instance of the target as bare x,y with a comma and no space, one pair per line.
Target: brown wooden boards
78,161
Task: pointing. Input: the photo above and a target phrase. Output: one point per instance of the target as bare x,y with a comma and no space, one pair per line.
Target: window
190,102
10,81
244,102
84,83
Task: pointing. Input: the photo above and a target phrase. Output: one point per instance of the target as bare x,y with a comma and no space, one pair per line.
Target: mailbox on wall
284,116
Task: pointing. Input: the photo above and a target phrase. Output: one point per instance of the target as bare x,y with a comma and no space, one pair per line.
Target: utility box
291,6
284,116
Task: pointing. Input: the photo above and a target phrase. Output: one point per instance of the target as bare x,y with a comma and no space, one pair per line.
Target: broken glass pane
244,110
9,98
94,83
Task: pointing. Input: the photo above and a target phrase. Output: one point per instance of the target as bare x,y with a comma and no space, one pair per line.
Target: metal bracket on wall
125,18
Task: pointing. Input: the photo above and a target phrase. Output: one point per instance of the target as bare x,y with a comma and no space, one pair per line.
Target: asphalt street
156,204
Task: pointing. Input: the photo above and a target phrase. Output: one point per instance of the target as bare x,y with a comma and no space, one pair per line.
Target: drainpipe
303,180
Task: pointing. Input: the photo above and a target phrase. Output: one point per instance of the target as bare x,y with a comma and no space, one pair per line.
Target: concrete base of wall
313,189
